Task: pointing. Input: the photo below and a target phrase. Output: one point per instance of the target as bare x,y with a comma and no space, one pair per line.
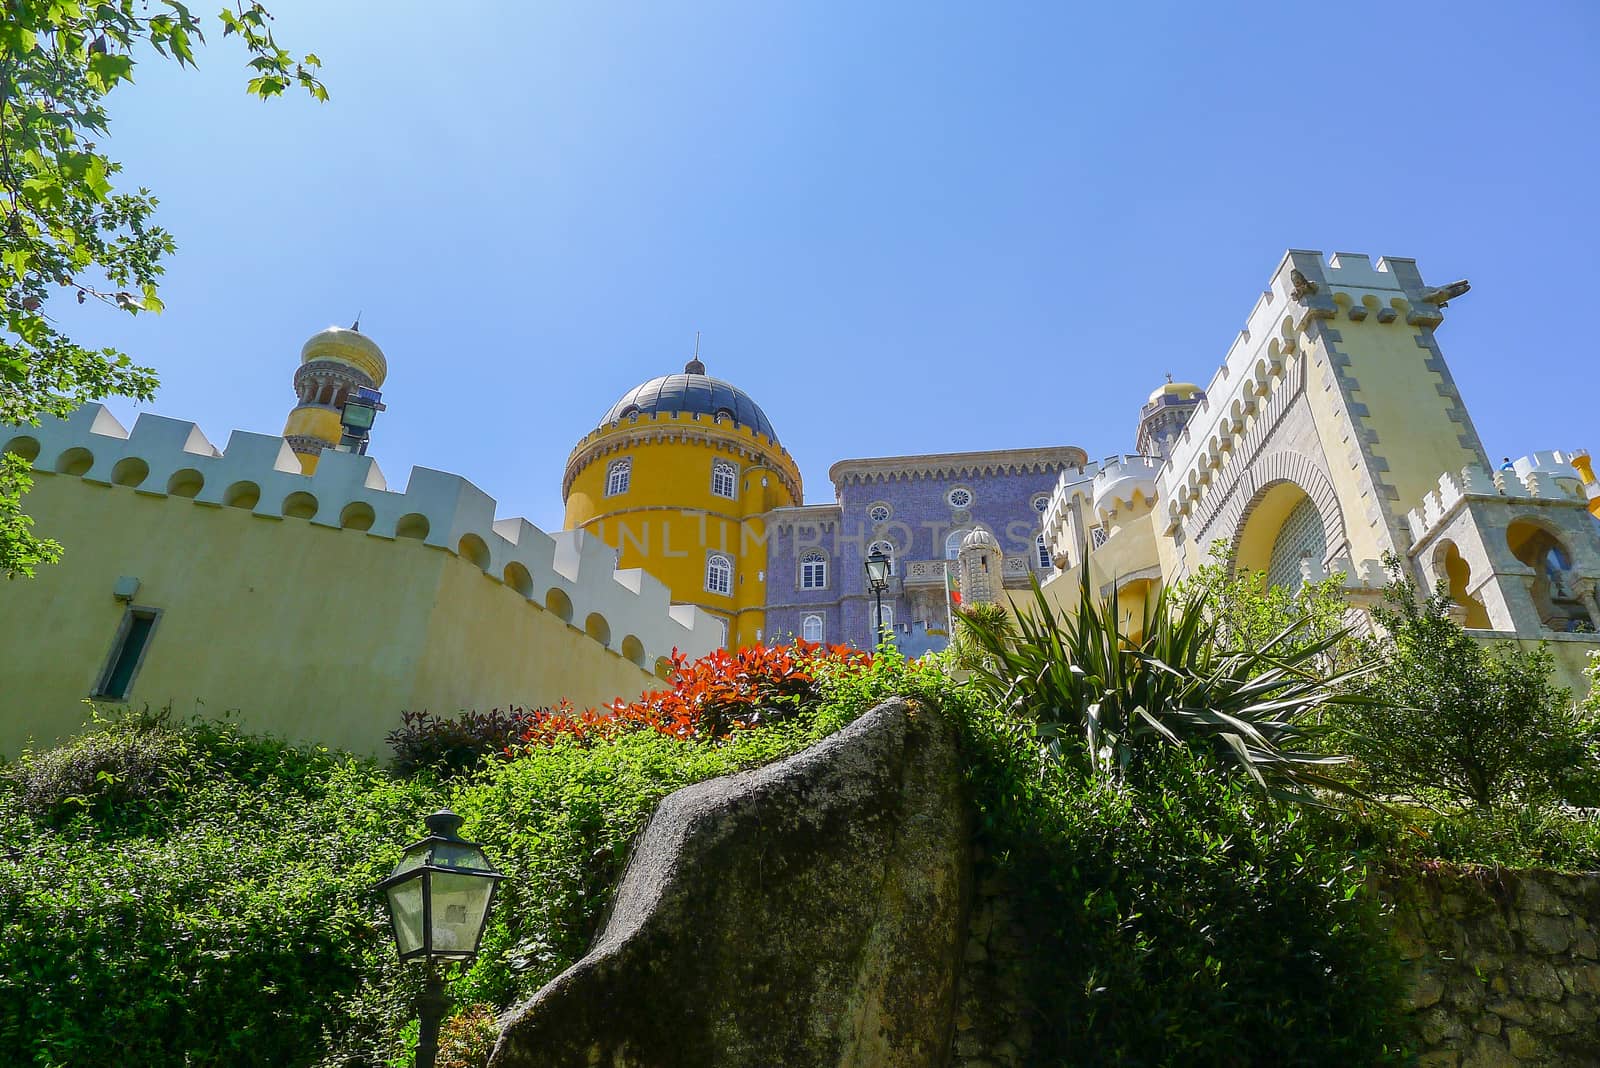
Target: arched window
724,479
952,544
618,475
1045,563
811,628
813,571
888,616
719,574
886,548
1300,538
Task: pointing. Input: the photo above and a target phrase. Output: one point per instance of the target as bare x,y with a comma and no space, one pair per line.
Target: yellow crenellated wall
669,521
314,633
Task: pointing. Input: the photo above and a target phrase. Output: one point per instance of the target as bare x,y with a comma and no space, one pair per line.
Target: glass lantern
440,893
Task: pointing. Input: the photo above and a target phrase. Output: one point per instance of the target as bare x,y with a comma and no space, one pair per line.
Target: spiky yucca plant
1095,695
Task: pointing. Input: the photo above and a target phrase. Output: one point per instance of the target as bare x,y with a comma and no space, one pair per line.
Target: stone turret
982,567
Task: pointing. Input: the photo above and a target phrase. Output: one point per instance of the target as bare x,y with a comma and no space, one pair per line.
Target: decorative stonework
957,465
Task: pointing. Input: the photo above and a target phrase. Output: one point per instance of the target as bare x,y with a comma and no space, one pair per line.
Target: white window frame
952,544
813,558
888,550
619,476
728,469
1045,563
805,627
888,615
950,498
718,564
1041,503
888,512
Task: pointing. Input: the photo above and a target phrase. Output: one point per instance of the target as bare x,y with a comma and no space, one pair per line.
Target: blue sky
902,227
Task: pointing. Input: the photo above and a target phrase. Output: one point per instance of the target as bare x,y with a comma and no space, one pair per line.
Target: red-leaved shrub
706,698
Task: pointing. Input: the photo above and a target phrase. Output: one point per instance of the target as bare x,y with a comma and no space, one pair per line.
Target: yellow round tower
678,477
333,365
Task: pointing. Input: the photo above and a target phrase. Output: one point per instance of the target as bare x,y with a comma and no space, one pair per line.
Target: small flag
949,587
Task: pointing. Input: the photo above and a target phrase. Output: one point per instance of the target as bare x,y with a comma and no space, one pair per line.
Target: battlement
1357,576
1123,480
1304,286
1540,476
1075,483
571,574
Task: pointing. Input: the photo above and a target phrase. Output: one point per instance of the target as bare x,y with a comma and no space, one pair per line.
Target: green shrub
1454,721
114,777
1186,919
241,926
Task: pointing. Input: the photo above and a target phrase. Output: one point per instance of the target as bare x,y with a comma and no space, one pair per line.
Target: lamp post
877,581
360,411
439,898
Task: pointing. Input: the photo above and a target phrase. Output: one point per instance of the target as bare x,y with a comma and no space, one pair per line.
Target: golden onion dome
348,346
1177,390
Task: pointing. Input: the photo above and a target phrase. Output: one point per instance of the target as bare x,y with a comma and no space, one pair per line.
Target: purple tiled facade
1004,491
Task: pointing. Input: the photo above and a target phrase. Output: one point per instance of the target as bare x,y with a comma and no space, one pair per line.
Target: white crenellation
1260,356
442,510
1123,480
1545,476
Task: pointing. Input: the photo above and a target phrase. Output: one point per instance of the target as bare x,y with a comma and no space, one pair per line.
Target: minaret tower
1165,415
333,365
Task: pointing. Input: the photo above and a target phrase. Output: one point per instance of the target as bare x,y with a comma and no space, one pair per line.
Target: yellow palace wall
313,633
669,520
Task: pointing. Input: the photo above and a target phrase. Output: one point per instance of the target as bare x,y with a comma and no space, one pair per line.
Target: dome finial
694,366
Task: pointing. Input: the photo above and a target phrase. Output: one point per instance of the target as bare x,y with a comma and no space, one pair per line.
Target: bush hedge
187,893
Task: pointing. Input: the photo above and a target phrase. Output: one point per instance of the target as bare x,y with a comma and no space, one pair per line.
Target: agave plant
1096,695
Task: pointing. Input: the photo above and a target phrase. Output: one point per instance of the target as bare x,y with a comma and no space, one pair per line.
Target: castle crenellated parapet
1250,391
1546,476
570,574
1123,482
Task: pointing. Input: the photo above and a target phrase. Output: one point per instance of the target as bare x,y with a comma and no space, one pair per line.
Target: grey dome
692,391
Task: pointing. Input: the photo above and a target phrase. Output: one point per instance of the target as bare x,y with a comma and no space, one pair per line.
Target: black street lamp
878,566
439,898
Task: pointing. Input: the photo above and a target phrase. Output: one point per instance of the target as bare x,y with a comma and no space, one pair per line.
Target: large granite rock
809,913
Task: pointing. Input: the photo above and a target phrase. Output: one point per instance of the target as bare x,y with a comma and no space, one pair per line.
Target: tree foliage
1457,720
1249,612
66,230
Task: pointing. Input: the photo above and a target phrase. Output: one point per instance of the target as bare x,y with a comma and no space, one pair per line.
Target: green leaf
105,71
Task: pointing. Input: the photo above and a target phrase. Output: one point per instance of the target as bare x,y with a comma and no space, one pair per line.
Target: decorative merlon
1304,287
571,574
1540,476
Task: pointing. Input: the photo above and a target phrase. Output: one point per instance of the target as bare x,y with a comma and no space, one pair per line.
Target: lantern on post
439,898
878,566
